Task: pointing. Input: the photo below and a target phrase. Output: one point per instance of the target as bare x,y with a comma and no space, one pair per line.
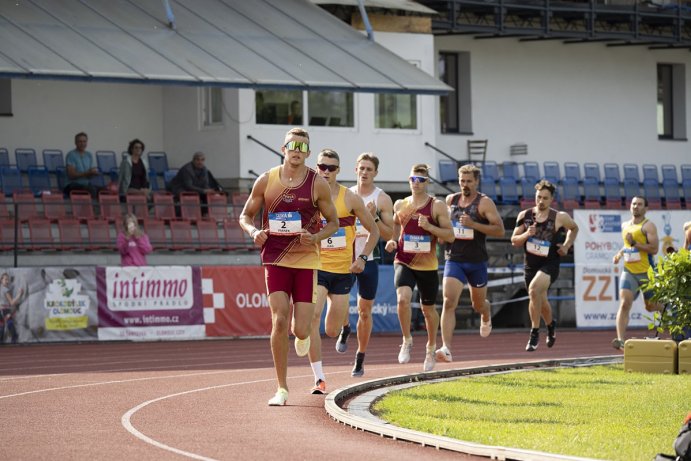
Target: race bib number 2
285,223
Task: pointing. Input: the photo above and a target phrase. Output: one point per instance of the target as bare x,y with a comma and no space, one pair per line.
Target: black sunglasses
325,167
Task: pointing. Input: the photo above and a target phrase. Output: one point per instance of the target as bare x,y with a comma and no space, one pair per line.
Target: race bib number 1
417,243
285,223
537,247
337,241
461,232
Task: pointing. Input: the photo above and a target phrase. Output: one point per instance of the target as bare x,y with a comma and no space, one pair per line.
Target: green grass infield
595,412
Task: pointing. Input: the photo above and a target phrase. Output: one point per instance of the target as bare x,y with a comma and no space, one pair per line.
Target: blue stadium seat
508,190
686,187
168,176
488,186
685,172
651,191
510,170
631,189
591,170
531,170
490,168
672,198
25,158
591,193
552,173
612,171
448,171
669,172
11,179
52,159
4,157
107,163
572,170
650,172
631,172
39,180
612,194
570,196
158,161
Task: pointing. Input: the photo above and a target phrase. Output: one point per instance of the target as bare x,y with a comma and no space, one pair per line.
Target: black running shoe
534,339
341,345
551,334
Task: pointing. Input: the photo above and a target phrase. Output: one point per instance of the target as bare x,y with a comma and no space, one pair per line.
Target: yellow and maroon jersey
417,248
337,250
287,211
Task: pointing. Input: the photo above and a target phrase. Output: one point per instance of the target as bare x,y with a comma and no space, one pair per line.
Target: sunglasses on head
297,145
325,167
418,179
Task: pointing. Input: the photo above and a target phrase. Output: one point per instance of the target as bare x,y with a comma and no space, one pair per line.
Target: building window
330,108
5,97
212,106
325,108
278,107
454,108
395,111
671,97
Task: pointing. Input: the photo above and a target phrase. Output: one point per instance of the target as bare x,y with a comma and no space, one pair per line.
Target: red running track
207,399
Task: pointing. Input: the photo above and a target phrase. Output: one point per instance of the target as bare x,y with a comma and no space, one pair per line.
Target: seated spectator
195,177
134,171
80,167
133,244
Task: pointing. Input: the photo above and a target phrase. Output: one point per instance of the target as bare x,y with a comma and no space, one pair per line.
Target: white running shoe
443,354
302,346
430,361
280,399
404,354
485,328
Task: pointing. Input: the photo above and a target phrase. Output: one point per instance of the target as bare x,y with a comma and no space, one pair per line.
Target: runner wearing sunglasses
419,220
338,262
292,197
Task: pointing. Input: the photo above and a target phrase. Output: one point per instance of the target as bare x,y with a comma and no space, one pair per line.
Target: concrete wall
47,115
578,102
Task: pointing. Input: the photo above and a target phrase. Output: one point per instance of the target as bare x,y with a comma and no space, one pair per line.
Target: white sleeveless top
362,234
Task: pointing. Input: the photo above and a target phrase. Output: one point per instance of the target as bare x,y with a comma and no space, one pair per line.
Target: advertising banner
596,276
384,311
235,301
48,304
149,302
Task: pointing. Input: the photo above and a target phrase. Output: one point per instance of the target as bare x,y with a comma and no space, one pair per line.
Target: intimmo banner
597,278
150,302
153,303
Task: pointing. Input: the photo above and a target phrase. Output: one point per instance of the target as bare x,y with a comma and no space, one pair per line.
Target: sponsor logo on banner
66,305
600,222
148,288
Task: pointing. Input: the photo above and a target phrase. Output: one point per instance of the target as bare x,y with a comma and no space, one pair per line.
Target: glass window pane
664,100
395,111
448,105
216,106
278,107
330,108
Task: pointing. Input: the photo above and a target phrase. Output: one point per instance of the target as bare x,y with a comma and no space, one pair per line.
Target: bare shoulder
384,201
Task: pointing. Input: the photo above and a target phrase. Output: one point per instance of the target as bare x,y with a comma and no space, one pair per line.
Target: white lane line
127,424
120,381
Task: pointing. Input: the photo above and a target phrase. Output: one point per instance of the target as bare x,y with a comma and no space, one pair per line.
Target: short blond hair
420,168
469,168
298,132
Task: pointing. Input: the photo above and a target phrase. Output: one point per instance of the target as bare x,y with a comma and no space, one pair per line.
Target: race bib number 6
285,223
337,241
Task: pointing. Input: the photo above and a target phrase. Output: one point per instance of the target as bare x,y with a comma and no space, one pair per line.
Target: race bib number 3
461,232
285,223
537,247
632,255
417,243
337,241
